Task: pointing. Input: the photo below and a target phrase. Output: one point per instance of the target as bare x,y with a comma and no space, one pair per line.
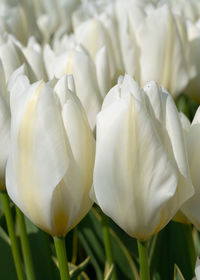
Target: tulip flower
33,54
153,51
18,19
12,56
188,9
53,14
78,63
5,117
141,175
192,136
50,165
98,32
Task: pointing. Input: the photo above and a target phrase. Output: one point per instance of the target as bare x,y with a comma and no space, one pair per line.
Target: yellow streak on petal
68,69
25,169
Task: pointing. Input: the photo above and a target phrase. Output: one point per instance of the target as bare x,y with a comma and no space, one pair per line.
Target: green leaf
75,272
177,273
123,259
186,105
174,245
41,244
78,269
90,252
4,236
109,273
7,268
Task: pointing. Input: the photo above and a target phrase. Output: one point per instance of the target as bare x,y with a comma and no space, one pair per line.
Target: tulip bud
141,176
50,166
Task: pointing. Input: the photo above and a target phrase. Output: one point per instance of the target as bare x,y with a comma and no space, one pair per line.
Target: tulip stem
13,238
25,245
107,244
62,257
143,258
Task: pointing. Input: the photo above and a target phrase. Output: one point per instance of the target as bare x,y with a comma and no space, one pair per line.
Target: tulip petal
71,200
191,208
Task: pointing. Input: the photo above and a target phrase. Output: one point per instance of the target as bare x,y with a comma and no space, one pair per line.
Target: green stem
107,244
62,257
143,257
13,238
25,246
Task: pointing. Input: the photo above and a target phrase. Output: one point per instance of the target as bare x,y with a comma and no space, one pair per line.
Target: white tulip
18,18
153,51
78,63
141,175
34,54
98,32
50,165
52,14
164,51
192,136
5,117
12,56
188,9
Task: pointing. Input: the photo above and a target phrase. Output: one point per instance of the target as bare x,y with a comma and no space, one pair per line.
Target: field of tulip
99,140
